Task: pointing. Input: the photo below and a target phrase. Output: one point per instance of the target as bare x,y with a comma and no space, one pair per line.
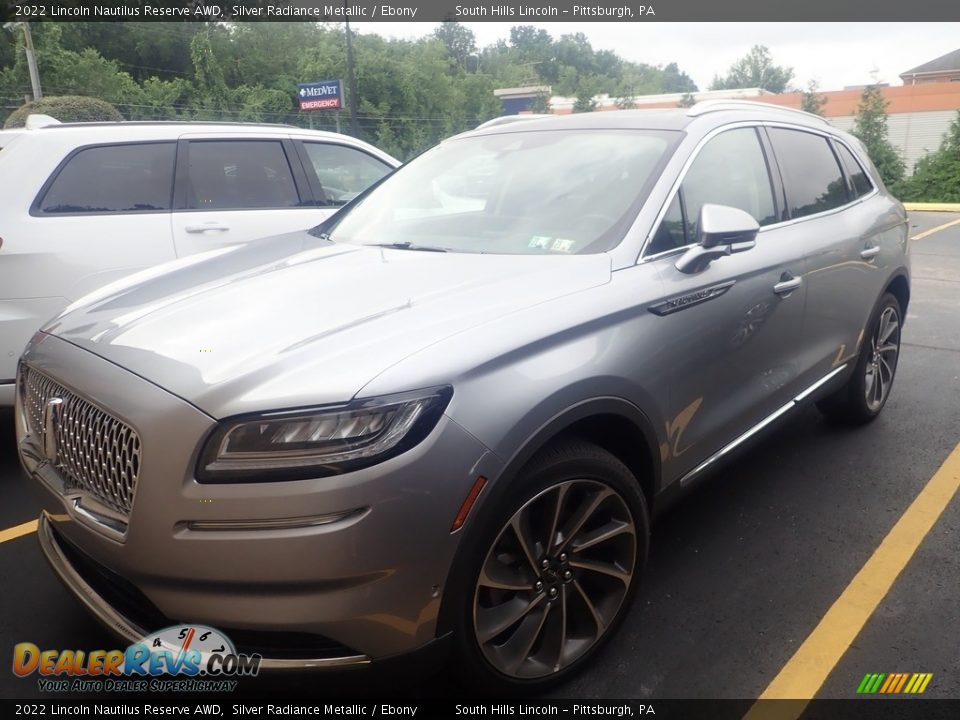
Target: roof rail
114,123
708,106
506,119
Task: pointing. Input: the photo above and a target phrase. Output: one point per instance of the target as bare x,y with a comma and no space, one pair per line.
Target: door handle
870,252
207,226
788,283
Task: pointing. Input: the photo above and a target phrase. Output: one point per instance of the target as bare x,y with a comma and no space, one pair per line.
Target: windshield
540,192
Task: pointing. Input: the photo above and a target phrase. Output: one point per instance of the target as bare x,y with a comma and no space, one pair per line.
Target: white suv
84,204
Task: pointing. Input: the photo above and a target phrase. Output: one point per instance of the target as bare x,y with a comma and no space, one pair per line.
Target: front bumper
366,586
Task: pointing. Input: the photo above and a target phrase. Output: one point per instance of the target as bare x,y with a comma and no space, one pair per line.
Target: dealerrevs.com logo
187,658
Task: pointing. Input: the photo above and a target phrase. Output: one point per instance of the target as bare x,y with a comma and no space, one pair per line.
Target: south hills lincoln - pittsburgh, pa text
581,11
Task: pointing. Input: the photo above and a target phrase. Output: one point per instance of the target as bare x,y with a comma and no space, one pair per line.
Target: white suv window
238,175
113,179
343,172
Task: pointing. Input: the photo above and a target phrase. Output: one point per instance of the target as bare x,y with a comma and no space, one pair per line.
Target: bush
65,108
936,178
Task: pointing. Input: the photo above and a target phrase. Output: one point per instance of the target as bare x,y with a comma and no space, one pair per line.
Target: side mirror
723,231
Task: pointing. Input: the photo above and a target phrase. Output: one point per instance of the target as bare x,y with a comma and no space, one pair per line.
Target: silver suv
443,418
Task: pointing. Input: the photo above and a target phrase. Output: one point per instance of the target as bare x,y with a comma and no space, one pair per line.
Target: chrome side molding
772,417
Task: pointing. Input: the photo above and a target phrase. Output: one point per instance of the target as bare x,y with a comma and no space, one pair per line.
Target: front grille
95,452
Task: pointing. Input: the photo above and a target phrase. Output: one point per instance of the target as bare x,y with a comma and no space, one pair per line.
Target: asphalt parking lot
742,573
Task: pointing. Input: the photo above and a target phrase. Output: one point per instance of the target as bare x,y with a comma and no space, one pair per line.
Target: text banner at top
512,11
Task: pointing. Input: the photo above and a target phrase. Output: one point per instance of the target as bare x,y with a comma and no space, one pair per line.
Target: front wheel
866,393
555,571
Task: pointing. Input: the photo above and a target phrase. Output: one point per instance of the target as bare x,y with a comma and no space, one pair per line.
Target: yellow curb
932,207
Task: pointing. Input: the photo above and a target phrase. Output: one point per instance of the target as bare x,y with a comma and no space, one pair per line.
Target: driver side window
729,170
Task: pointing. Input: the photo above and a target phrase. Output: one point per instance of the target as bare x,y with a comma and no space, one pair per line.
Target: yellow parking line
938,228
17,531
804,674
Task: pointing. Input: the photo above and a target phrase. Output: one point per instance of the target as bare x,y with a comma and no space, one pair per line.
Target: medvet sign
323,95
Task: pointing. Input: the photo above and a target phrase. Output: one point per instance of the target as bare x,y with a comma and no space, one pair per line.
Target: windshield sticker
539,241
562,245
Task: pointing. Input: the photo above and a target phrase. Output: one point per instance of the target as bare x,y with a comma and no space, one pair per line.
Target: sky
835,55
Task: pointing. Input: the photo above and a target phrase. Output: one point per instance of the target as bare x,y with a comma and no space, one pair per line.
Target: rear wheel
865,394
555,571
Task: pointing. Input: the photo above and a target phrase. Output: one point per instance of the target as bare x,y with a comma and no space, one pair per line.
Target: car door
235,189
842,236
95,214
735,325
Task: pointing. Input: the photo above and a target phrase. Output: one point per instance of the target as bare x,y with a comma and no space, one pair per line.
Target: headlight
294,444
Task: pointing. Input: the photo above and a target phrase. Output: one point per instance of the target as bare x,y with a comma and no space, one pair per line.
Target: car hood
295,320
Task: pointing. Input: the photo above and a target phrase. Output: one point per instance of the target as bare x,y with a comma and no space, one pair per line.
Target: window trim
681,176
182,178
836,158
643,259
840,140
41,195
843,166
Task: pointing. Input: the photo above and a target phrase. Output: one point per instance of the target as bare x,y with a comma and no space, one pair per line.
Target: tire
862,399
521,625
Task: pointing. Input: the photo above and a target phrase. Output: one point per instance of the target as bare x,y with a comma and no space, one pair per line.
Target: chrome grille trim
96,453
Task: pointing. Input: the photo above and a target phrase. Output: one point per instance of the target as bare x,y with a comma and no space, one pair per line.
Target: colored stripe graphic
893,683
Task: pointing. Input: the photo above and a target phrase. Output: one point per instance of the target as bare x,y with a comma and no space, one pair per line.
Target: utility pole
32,64
352,82
31,59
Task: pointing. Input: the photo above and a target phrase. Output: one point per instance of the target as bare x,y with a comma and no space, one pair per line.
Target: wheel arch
614,424
899,286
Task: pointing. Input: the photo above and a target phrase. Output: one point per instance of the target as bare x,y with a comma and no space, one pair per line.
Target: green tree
210,86
674,80
531,44
541,103
870,125
936,177
755,69
811,101
585,101
688,100
459,40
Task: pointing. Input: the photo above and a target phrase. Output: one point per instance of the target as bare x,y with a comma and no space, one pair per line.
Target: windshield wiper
410,246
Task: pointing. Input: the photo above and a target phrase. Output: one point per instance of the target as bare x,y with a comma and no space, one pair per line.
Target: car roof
708,114
81,133
171,127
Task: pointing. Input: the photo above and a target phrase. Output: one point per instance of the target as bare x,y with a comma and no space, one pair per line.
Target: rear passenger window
237,175
113,179
856,173
730,170
343,172
811,176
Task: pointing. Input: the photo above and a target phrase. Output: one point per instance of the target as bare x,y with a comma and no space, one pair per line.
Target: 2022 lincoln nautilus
441,420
